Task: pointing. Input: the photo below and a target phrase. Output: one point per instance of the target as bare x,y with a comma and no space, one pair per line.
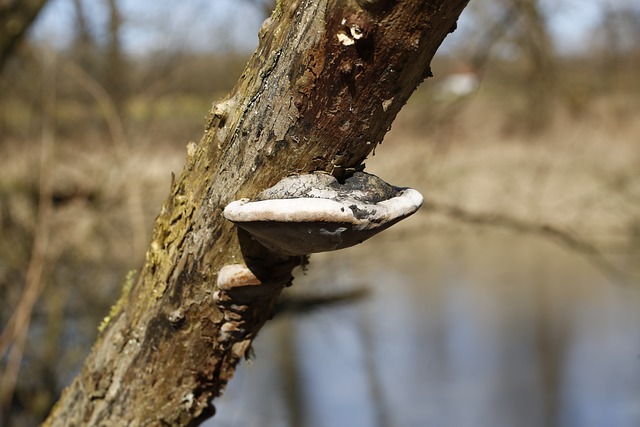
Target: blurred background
511,298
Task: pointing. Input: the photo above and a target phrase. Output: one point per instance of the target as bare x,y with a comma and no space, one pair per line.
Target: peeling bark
319,93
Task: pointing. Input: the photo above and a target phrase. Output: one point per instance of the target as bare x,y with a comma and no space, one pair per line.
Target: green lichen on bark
172,227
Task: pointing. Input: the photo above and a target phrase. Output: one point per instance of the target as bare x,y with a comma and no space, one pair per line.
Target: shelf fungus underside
310,213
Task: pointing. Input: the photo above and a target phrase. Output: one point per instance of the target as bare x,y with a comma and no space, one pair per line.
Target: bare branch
566,238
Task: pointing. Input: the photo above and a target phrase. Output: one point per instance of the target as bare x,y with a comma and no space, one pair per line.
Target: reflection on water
451,335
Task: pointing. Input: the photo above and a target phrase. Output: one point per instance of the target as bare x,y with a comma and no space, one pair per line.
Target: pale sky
205,25
160,24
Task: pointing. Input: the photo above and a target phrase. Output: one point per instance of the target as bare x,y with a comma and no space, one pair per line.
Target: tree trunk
319,93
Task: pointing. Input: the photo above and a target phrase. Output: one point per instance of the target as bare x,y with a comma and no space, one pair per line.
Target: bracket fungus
310,213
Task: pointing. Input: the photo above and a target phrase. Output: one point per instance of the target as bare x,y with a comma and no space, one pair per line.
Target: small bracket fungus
310,213
233,277
236,275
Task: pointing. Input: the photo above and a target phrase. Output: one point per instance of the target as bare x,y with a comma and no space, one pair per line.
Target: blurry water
513,332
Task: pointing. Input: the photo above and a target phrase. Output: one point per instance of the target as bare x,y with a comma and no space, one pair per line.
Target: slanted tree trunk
319,93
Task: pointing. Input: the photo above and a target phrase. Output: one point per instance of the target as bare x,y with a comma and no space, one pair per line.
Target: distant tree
320,92
115,75
538,52
16,16
617,40
522,25
83,46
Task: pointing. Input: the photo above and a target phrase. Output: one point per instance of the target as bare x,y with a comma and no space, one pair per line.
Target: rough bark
319,93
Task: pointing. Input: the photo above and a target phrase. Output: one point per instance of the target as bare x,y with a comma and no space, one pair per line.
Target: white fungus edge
324,210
